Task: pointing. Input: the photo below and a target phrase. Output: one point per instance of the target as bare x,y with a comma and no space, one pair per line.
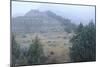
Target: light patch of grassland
58,44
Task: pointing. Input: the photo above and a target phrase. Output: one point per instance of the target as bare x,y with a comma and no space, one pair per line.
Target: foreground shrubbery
15,51
84,43
34,55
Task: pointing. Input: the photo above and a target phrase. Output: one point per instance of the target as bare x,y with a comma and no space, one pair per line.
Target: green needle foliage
35,52
84,43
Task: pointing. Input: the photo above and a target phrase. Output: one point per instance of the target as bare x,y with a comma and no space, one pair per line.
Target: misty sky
76,13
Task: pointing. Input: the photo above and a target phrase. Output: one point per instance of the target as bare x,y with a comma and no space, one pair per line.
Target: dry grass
58,43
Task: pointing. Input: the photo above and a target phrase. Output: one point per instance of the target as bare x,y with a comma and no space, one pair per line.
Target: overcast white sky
74,12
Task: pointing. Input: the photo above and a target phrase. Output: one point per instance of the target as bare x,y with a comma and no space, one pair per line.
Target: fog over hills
76,13
37,21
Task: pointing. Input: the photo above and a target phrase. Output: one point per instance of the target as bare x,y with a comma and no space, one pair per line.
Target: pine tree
80,27
35,52
84,44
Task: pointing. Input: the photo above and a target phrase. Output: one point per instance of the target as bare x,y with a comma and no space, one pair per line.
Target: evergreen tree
84,43
35,52
80,27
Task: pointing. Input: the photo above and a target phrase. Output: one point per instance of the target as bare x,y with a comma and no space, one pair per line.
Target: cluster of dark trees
34,55
84,43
